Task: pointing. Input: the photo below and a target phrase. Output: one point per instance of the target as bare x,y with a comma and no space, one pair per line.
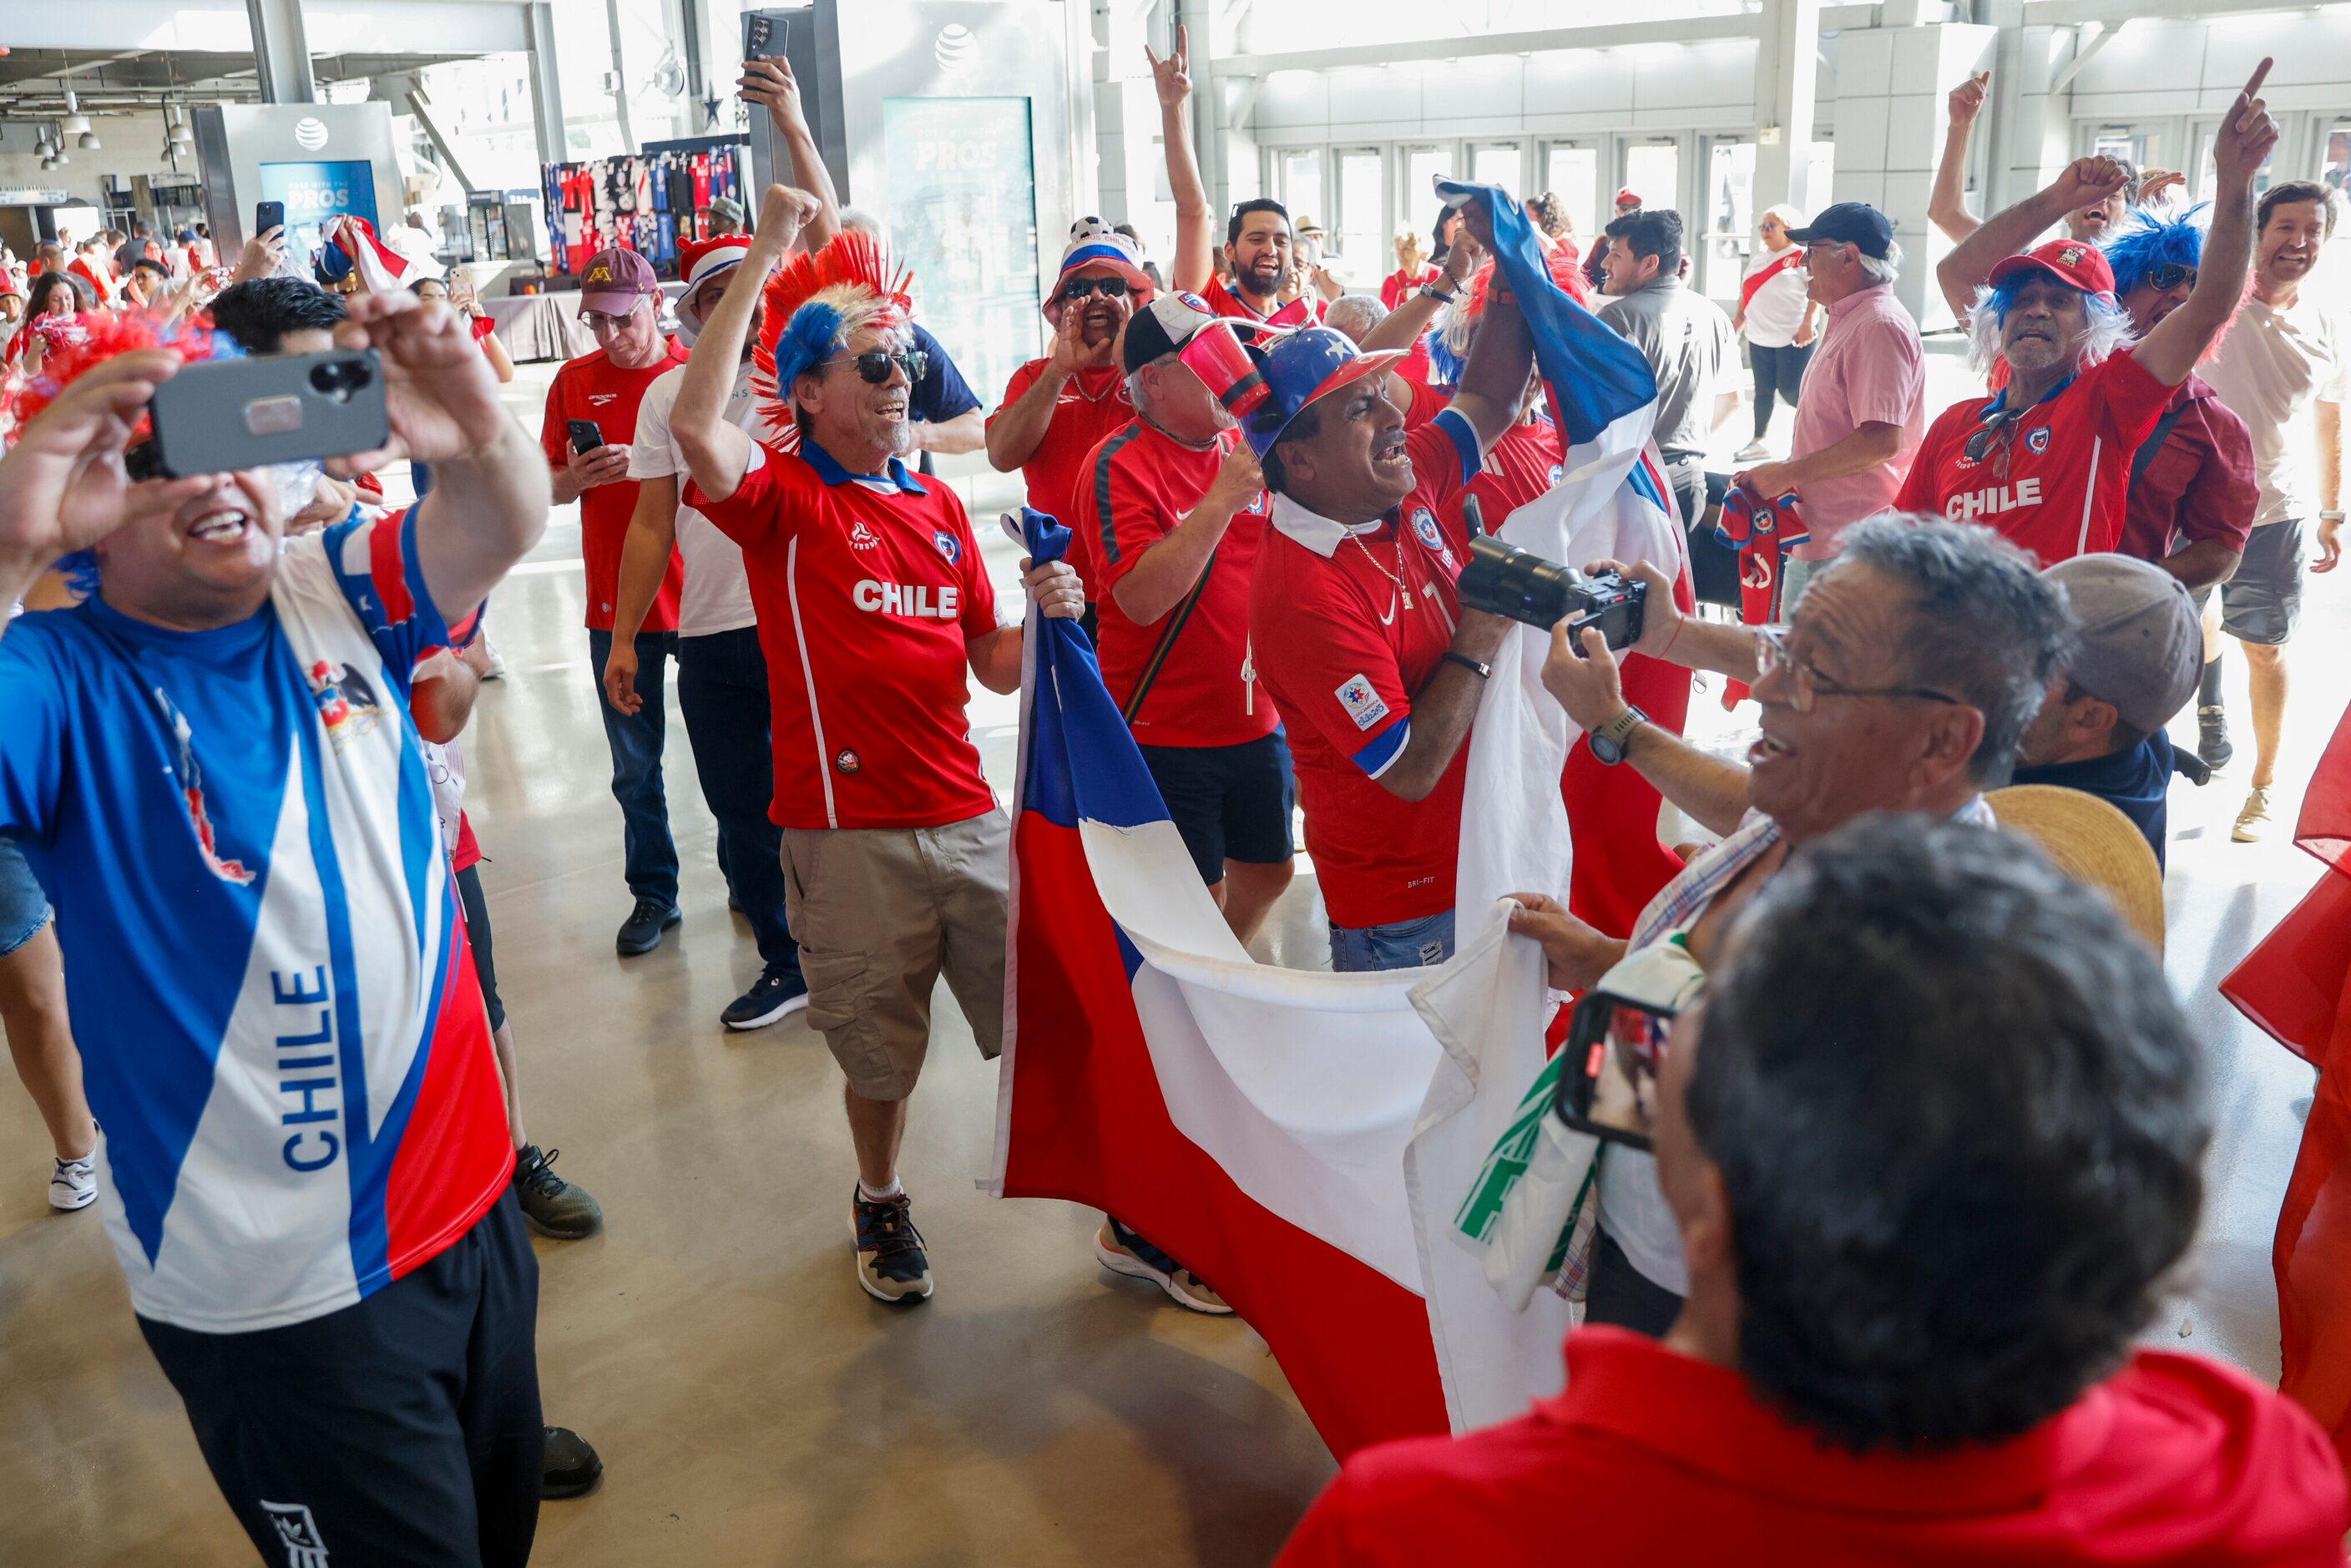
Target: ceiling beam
1607,35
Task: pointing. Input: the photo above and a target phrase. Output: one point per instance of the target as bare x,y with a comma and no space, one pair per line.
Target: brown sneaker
2254,818
891,1263
1121,1252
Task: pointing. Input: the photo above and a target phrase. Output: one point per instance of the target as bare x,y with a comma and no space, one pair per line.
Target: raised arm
716,451
1195,262
1019,426
768,81
1947,204
1587,685
2083,183
2173,345
1402,327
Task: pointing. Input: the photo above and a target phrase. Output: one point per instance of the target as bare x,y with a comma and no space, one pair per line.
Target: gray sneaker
562,1209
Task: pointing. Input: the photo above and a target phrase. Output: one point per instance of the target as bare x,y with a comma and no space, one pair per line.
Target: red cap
1628,195
2073,261
615,280
699,258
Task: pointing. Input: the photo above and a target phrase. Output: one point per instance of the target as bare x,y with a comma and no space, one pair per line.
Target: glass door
1298,181
1359,230
1653,171
1730,217
2204,181
1500,164
1416,200
1572,174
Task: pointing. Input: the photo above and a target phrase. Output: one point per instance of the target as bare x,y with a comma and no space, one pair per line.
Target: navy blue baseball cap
1302,366
1856,224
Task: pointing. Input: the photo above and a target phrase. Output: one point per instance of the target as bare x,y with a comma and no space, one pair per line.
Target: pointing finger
2253,87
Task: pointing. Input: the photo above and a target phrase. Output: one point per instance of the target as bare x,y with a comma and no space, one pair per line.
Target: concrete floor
753,1406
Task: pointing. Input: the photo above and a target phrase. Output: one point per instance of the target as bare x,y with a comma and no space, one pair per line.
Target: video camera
1503,580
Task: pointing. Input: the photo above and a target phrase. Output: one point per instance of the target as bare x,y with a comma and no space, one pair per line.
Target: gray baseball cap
2141,641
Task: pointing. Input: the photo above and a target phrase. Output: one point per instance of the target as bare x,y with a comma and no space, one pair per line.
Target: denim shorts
23,909
1407,945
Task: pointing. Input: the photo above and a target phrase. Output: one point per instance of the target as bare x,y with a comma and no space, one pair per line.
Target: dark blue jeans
636,744
722,689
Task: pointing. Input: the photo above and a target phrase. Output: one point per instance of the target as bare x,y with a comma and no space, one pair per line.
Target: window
1298,180
2207,181
1572,172
1498,163
1729,217
1653,170
2335,154
1422,165
1358,231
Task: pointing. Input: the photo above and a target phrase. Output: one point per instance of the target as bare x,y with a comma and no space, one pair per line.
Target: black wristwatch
1428,291
1608,741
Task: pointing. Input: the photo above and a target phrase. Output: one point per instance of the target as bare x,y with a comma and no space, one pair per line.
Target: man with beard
2047,462
873,605
2285,367
1258,240
722,677
1056,410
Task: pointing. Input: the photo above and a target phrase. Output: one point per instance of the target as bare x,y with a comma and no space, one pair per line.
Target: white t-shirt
1778,308
716,596
2272,365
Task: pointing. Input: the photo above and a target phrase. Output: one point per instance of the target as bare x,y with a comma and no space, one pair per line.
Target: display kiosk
322,159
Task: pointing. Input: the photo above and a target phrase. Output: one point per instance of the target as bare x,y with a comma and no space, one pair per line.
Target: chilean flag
2296,983
1305,1141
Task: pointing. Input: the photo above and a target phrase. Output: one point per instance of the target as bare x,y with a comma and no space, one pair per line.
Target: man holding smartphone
304,1143
598,394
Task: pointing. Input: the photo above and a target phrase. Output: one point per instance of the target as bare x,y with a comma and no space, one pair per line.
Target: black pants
478,938
1621,1295
1777,371
722,690
402,1430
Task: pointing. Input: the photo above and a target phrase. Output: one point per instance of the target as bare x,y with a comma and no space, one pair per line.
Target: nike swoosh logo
1389,619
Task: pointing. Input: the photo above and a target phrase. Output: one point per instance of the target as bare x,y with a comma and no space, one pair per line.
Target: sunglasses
597,321
874,366
1108,287
2171,275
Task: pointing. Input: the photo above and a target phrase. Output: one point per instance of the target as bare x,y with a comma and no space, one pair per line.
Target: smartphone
1608,1078
764,34
218,415
585,436
267,216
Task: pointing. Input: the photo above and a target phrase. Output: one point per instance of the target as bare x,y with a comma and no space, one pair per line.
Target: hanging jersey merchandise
282,1035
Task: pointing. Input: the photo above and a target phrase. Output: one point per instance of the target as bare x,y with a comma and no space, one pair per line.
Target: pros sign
313,193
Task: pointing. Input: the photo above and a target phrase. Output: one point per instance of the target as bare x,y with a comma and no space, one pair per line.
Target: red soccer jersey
1341,657
2055,481
1526,461
1093,404
593,388
1142,485
1306,310
868,591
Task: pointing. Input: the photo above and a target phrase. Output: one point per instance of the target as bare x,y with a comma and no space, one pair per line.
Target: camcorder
1503,580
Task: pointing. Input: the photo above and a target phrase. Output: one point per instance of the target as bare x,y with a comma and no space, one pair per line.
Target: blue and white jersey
280,1029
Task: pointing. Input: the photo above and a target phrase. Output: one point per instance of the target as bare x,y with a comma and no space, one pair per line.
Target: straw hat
2093,843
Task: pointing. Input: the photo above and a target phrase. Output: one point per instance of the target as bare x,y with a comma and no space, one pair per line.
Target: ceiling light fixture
87,141
76,123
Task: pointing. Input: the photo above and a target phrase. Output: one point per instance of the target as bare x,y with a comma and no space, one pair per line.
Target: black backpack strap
2155,440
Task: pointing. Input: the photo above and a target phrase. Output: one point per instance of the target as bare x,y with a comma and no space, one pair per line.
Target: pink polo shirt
1867,369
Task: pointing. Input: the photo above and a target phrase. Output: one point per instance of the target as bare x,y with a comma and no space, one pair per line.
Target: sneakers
1753,452
570,1466
2253,817
563,1209
2213,737
497,672
1121,1252
641,931
73,1183
890,1264
773,996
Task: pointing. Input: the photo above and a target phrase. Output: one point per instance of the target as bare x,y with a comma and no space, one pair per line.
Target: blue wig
2147,242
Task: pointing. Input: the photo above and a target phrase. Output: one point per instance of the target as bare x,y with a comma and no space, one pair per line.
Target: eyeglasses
598,322
2171,275
874,365
1108,287
295,484
1807,685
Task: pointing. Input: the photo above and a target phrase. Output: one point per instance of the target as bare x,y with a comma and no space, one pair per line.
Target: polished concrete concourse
752,1405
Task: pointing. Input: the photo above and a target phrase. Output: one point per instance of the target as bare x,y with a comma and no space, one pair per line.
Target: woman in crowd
1412,270
52,293
1775,315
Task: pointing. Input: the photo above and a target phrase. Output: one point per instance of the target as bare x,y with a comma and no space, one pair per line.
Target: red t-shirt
1401,283
868,591
593,387
1653,1457
2056,484
2199,484
1142,485
1527,461
1091,405
1342,658
1306,310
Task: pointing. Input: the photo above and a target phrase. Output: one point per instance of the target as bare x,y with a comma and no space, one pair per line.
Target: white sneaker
497,670
1753,452
73,1183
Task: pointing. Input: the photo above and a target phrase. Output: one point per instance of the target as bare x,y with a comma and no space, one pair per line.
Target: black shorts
477,938
2262,601
405,1429
1231,802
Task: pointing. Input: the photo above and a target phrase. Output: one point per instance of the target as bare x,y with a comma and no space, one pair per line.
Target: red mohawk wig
817,301
72,345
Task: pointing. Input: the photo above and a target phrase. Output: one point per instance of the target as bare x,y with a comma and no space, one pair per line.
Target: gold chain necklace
1395,576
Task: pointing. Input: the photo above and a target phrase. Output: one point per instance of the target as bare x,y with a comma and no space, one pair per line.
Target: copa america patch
1363,702
1424,527
1557,474
949,546
2037,440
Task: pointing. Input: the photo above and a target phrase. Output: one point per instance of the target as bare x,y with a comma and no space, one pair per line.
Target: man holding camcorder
1357,629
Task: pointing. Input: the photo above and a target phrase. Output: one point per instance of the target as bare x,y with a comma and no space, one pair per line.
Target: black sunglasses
1108,287
2171,275
874,365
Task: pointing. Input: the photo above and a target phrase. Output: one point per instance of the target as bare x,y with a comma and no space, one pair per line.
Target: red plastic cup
1214,354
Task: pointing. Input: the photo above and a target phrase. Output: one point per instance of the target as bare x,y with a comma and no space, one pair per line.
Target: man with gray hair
1911,669
1354,315
2138,648
1864,406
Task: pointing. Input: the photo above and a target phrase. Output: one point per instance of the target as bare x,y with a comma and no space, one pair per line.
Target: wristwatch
1429,291
2330,517
1608,741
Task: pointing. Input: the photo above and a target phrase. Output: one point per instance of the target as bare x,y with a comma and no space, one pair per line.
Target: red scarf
1756,280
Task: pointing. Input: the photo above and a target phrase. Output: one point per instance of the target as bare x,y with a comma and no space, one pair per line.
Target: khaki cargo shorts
879,913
